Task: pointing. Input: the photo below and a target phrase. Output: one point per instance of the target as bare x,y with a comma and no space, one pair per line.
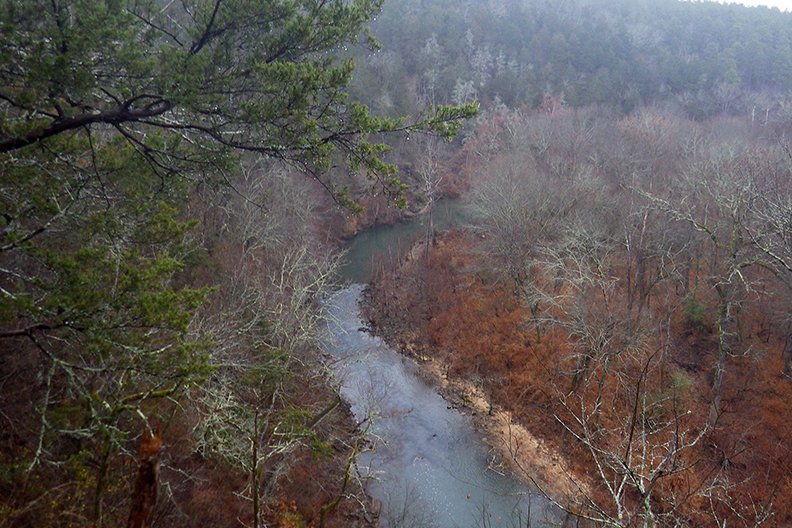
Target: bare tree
265,317
772,231
430,179
715,198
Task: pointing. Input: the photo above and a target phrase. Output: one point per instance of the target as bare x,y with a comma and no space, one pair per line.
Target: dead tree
144,498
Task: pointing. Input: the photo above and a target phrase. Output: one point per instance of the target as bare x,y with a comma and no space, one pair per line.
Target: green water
385,245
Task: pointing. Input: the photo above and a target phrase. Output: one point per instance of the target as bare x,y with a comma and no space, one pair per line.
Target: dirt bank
515,448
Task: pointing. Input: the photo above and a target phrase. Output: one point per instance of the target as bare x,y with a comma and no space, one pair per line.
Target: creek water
428,465
386,243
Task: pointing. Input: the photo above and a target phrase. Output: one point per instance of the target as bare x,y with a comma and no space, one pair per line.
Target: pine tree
111,111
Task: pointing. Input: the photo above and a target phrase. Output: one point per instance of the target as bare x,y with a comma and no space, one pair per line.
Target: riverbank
514,448
424,461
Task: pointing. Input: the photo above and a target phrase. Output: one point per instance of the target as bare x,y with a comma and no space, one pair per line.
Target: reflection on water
379,245
429,467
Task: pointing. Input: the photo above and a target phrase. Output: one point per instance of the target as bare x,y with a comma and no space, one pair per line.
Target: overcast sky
781,4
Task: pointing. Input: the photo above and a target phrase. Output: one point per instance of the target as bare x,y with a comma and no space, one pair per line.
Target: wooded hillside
706,57
176,178
162,169
623,291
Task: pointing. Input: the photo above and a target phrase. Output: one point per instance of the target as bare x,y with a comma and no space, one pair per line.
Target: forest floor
448,310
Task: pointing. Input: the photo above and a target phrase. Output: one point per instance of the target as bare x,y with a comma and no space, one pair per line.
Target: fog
784,5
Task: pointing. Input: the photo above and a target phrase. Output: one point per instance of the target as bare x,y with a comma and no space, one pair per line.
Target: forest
179,181
622,291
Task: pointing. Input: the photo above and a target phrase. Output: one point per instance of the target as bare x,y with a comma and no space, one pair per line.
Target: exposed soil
515,448
449,311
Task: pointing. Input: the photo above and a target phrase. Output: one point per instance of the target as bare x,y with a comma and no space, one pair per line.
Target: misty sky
781,4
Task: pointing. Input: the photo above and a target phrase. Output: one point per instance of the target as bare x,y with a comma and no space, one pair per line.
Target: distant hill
707,57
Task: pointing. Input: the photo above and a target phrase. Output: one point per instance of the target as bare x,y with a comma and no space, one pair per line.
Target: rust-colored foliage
450,306
144,498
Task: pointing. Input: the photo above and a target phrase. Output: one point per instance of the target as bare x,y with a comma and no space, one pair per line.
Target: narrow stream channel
387,242
428,466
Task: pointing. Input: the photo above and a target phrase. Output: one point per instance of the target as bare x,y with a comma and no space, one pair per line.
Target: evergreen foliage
114,116
708,57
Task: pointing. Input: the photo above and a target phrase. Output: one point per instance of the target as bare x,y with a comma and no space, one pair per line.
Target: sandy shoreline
517,450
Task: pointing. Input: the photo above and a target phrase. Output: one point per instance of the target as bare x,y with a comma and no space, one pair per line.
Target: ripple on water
429,467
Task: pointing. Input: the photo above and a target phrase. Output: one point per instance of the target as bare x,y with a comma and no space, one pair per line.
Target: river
428,465
387,242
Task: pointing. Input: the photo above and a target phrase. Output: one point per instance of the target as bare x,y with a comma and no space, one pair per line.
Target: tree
429,181
772,210
640,434
112,115
264,321
719,192
218,75
95,328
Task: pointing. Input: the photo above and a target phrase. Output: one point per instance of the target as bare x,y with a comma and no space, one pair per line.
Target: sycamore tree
111,113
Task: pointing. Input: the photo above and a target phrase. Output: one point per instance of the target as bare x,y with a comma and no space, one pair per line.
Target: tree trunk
101,479
144,498
254,472
720,367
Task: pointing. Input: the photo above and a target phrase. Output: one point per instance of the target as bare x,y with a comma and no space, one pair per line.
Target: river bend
429,467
